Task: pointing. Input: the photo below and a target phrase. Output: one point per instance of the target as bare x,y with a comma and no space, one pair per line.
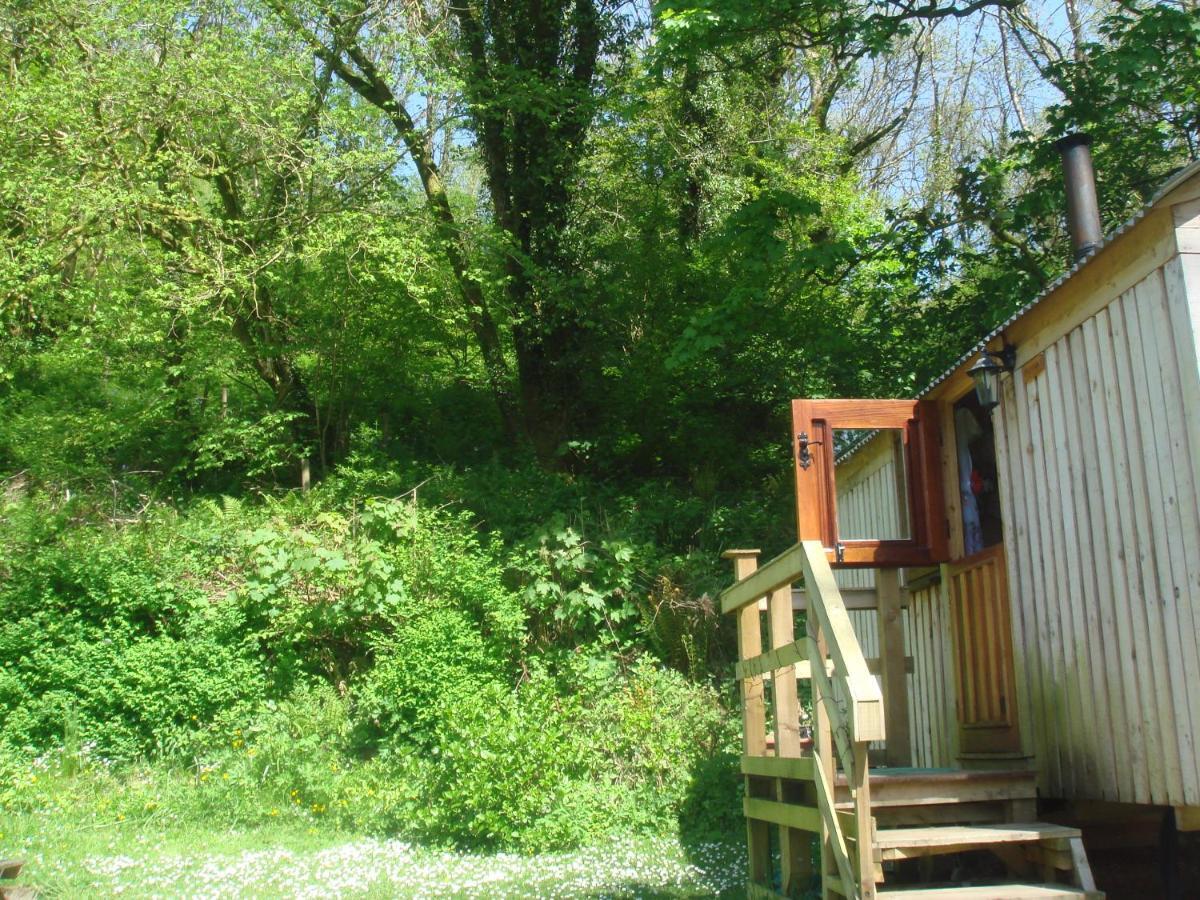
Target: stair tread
1009,891
962,835
925,776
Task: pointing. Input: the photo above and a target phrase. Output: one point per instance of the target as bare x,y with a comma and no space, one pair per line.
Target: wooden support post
898,751
822,747
1083,871
786,702
795,845
754,718
865,839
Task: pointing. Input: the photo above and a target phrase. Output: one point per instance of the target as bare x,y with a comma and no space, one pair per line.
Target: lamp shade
986,373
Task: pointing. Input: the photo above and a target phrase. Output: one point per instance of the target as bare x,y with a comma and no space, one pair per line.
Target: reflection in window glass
872,485
975,447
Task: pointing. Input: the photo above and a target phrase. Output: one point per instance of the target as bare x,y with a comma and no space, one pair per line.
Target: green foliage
433,664
530,292
306,660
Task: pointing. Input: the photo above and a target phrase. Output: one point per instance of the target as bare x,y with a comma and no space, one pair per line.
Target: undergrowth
373,663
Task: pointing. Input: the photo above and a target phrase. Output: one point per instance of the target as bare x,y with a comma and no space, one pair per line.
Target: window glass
979,495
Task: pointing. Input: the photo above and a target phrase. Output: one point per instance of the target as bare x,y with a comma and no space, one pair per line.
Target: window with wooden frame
826,430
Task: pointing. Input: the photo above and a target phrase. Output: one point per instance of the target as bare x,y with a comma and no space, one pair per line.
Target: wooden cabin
1002,586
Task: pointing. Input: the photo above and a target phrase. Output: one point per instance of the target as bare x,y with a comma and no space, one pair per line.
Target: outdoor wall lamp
986,373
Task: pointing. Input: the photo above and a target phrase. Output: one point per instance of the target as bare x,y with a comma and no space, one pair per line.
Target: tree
527,73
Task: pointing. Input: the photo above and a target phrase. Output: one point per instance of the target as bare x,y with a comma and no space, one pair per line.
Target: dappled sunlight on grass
192,862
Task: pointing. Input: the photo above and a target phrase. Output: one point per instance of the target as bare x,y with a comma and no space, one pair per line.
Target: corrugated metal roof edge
1187,172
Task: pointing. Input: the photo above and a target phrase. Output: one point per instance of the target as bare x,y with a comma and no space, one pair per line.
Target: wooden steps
929,787
906,843
902,797
1007,891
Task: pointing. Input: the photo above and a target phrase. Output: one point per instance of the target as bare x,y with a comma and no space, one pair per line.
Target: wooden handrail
825,601
848,711
830,629
782,570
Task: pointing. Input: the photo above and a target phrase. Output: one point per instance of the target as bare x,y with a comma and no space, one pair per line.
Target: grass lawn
142,860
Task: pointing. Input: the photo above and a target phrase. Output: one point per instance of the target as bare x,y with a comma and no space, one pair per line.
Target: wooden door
983,654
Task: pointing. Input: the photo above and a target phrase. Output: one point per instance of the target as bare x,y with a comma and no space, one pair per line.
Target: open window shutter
815,423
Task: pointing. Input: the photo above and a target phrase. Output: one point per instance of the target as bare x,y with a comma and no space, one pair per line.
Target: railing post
795,846
822,737
864,841
754,717
892,668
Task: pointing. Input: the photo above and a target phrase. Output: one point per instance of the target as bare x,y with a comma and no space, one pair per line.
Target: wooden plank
1151,667
779,572
795,845
754,728
805,818
866,701
1083,871
853,598
913,842
803,669
1005,891
949,733
1181,279
892,666
772,660
920,726
839,725
822,749
1037,596
1065,707
1179,507
797,769
924,789
1094,586
1129,754
11,868
835,842
754,717
968,835
860,784
1170,557
1068,597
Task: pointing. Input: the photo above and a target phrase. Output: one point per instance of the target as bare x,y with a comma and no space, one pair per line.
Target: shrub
430,667
505,761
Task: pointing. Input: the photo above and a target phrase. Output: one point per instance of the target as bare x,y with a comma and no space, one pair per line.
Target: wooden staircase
882,832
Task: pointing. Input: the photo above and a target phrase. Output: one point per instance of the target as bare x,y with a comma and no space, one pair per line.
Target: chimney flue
1083,210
